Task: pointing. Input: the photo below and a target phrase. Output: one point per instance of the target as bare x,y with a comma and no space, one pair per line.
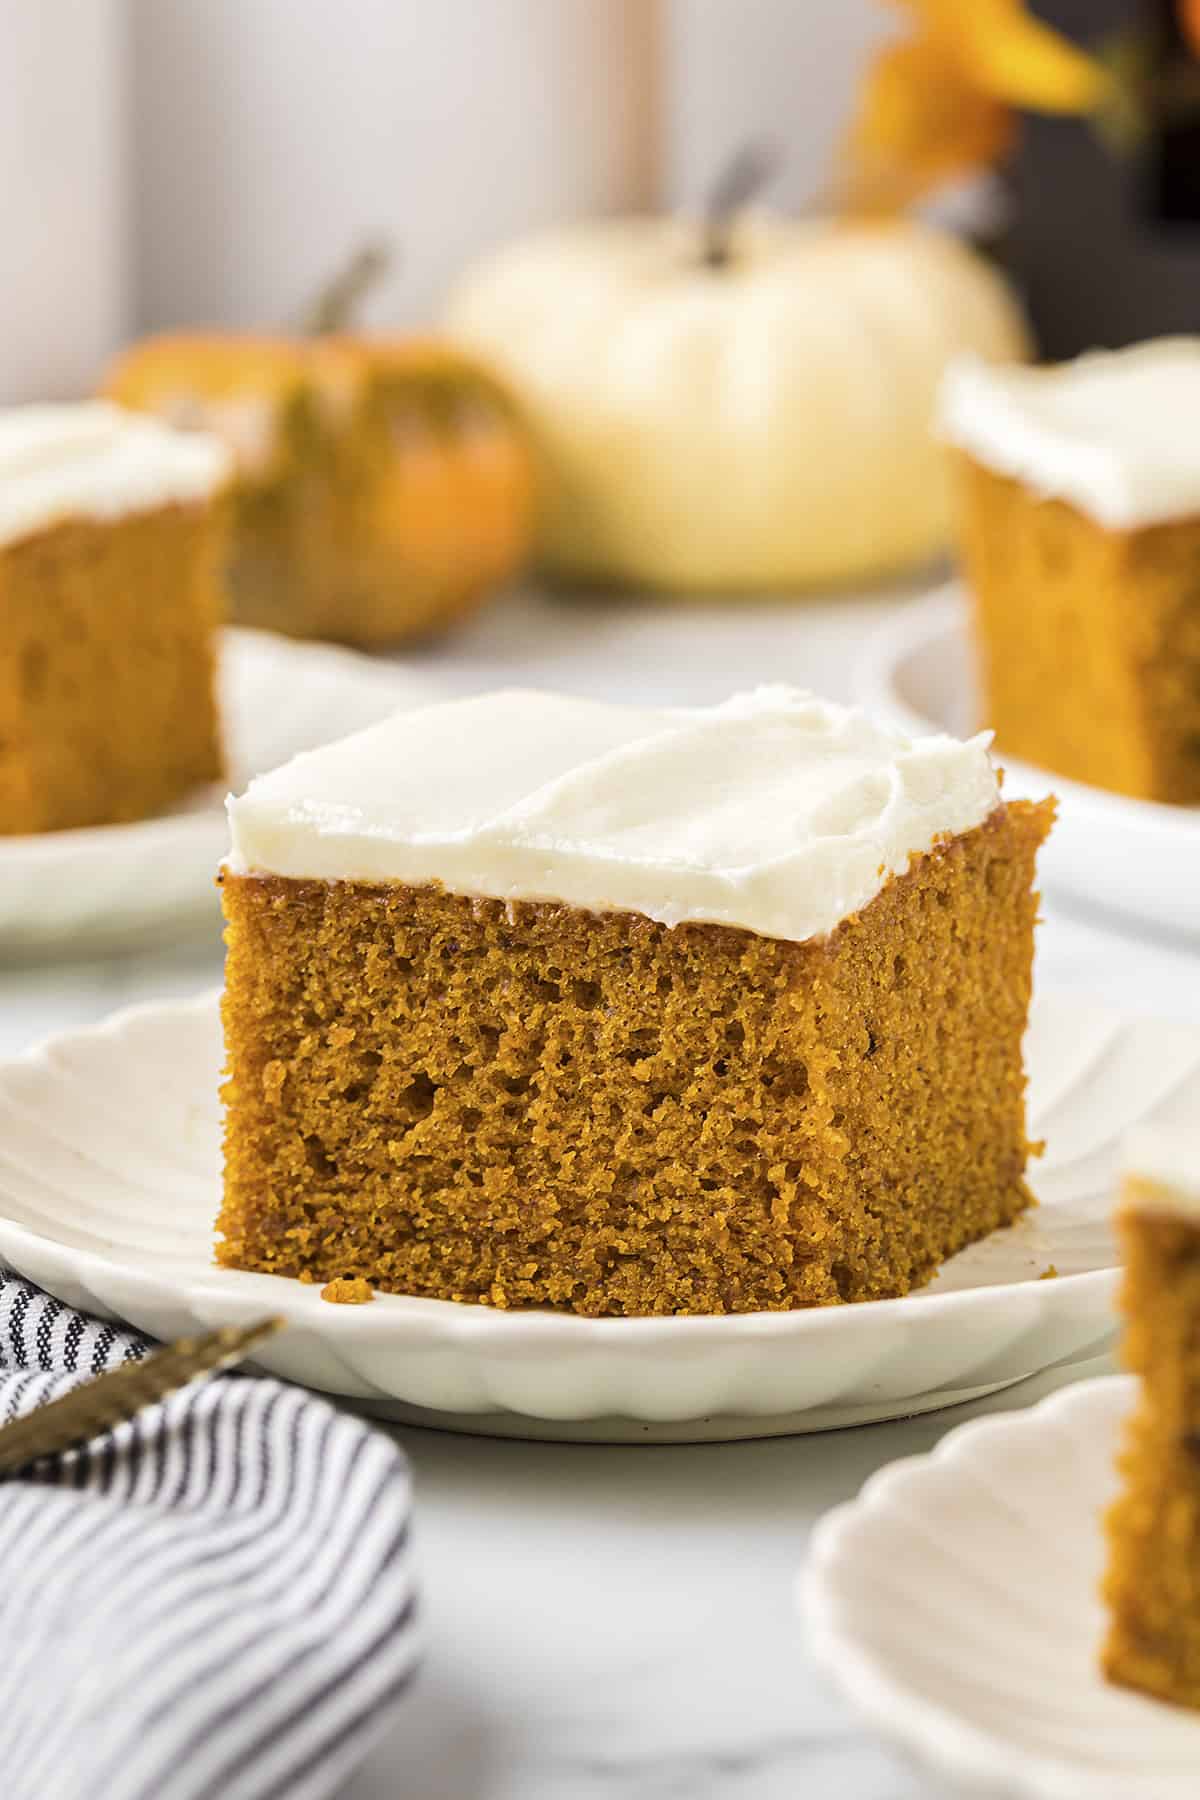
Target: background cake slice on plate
1153,1581
111,541
1081,538
535,1001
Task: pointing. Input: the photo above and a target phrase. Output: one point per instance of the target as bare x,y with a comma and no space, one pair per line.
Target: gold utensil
117,1395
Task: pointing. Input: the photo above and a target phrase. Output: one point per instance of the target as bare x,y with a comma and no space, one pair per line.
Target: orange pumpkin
384,487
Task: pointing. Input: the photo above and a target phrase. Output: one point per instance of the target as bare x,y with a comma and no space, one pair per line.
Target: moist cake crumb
348,1290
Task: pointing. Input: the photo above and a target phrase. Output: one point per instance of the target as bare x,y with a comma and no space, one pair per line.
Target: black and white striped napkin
213,1600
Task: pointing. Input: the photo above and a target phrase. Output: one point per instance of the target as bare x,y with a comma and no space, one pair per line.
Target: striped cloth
214,1600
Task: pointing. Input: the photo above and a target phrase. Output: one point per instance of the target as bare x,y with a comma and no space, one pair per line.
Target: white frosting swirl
1112,433
775,812
97,461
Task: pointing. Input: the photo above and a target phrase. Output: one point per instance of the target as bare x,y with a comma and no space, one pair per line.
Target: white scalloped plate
116,884
109,1180
1132,856
956,1603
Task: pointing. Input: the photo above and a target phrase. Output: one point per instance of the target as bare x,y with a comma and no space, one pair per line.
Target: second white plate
110,1164
957,1603
114,885
1132,856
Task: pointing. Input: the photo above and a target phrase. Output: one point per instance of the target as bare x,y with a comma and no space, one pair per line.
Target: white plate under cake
110,1179
957,1604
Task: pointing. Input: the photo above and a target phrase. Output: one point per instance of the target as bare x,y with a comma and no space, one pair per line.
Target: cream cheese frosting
1169,1157
775,812
1113,433
97,461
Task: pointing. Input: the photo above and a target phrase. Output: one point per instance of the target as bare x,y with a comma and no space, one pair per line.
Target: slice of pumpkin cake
1081,540
111,541
1153,1581
533,1001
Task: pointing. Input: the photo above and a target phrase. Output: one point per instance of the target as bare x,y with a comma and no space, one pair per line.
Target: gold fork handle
119,1394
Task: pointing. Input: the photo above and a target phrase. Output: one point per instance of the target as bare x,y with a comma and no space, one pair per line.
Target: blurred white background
65,196
172,162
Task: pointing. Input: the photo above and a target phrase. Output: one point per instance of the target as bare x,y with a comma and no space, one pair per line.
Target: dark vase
1105,245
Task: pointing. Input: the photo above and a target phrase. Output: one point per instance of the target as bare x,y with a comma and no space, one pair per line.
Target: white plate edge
956,1749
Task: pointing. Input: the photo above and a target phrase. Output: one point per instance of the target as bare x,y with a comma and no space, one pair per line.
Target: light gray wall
275,135
64,292
271,136
783,70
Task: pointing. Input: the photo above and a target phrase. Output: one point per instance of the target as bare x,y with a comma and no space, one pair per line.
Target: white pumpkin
763,424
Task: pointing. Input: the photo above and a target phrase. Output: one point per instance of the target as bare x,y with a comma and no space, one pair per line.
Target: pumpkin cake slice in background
112,533
534,1001
1081,538
383,486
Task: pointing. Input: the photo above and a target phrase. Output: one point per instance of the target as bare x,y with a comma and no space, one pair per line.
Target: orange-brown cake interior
107,704
1152,1584
1088,639
531,1104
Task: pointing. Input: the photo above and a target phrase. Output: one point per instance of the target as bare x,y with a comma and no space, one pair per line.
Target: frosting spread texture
1113,433
97,461
775,812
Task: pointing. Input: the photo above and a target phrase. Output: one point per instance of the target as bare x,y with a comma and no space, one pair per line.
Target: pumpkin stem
742,179
338,301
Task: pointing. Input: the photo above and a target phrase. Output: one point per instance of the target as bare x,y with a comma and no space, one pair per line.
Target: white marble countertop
609,1620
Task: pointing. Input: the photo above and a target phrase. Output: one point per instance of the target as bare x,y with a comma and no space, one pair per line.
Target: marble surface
610,1621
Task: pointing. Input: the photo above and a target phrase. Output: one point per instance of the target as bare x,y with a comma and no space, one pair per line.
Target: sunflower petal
919,123
1013,56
